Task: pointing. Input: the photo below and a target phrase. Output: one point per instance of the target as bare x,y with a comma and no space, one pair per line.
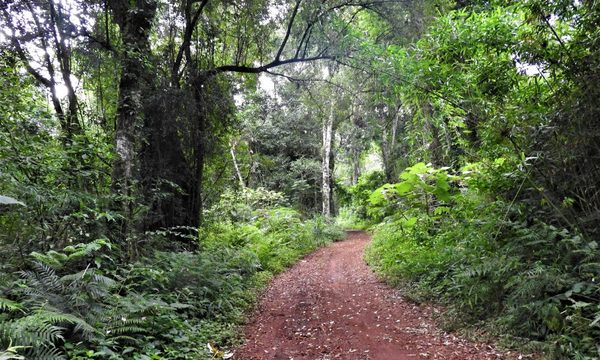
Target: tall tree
191,73
43,28
135,24
326,167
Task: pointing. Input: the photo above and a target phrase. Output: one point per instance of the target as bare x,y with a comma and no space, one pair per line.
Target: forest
161,161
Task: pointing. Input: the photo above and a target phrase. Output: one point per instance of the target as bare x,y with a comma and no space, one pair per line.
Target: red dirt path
331,306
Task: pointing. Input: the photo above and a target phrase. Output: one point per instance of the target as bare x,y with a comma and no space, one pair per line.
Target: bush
493,264
359,194
168,305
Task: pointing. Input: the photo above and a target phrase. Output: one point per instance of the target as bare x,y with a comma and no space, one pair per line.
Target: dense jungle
163,161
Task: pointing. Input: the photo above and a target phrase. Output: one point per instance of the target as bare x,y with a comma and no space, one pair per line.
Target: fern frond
96,284
128,330
46,353
28,331
11,352
9,305
53,317
104,280
41,281
8,355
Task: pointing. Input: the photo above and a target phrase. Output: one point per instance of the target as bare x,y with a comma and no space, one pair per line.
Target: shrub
75,303
491,263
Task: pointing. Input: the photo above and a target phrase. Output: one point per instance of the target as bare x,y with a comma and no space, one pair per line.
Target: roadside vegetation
439,238
491,212
79,303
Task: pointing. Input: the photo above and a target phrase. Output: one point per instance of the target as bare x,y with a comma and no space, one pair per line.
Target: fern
10,355
42,283
41,330
28,331
9,305
62,318
124,329
11,352
47,353
54,307
132,315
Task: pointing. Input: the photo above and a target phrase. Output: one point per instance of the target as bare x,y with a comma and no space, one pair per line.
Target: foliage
357,196
492,265
422,187
51,307
271,152
496,99
238,206
167,305
141,209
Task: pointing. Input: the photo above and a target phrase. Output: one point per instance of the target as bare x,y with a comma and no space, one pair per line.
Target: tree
44,28
282,134
196,87
326,166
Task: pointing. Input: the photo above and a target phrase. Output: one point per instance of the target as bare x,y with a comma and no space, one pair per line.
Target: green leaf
404,187
418,168
442,194
410,222
9,305
378,196
580,304
441,210
7,200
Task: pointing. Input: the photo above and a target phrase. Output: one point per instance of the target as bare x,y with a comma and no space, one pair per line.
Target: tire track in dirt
331,306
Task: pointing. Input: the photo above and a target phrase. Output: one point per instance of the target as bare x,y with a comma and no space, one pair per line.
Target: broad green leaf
418,168
410,222
404,187
7,200
377,198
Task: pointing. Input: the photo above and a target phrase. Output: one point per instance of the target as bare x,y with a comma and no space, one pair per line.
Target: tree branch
306,33
187,37
402,79
297,58
288,30
264,68
21,52
93,39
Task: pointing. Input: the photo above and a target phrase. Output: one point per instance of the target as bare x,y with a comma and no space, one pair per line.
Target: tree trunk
355,165
173,153
63,55
389,133
385,153
435,146
355,148
135,24
135,21
197,203
332,208
165,172
326,164
232,145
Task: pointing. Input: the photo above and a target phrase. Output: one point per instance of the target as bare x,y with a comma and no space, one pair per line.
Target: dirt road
331,306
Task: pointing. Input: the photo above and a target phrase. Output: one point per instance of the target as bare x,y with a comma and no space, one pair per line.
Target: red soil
331,306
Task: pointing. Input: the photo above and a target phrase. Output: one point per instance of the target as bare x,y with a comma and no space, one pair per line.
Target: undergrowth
76,304
532,283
